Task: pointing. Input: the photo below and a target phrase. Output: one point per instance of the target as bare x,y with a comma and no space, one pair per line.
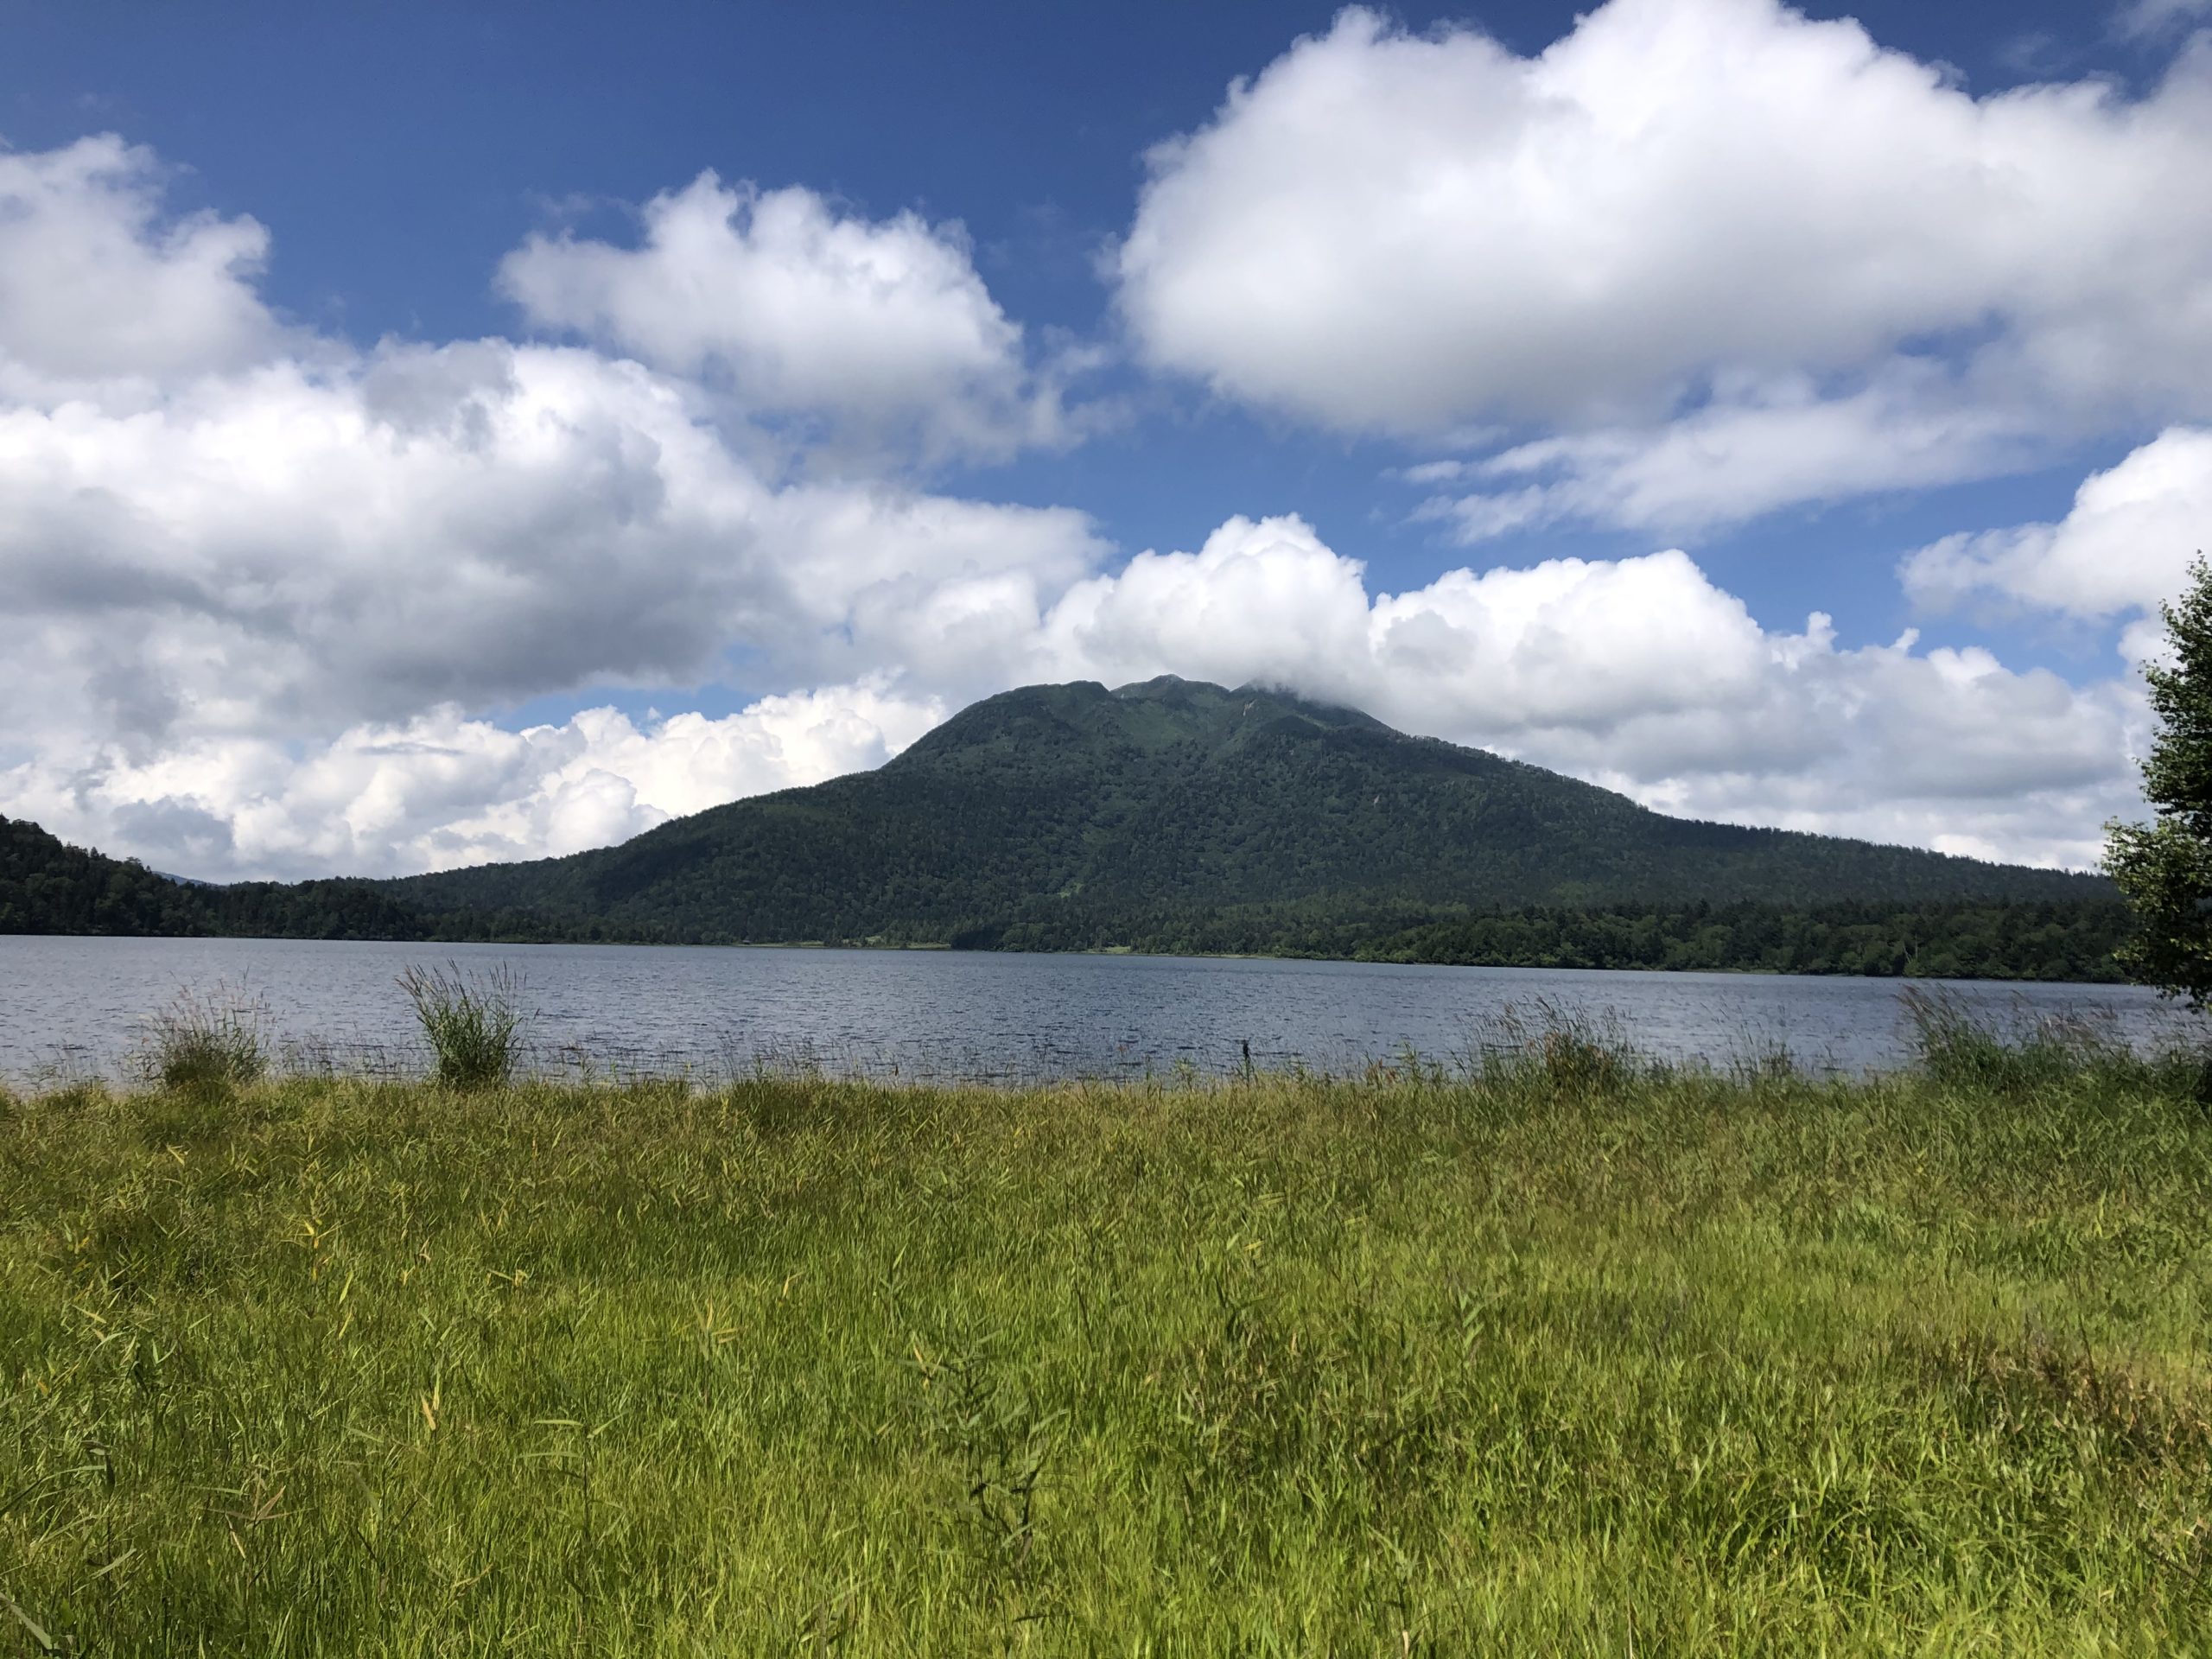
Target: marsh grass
1560,1352
207,1040
1958,1046
472,1021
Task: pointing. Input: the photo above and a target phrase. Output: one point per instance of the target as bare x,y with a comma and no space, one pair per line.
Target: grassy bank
1567,1357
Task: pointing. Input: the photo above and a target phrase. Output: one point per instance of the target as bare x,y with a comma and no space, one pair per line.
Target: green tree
2164,867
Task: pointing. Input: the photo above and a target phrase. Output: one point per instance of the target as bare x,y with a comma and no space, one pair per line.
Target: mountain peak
1162,685
1178,811
1161,713
1250,698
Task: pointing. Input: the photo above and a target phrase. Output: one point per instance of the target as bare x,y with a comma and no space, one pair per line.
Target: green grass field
1570,1357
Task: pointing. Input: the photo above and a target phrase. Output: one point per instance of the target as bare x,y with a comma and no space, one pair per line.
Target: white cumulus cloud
2124,547
1757,448
481,523
96,282
1740,258
799,309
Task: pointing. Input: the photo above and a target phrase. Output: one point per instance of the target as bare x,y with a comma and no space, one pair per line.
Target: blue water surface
78,1006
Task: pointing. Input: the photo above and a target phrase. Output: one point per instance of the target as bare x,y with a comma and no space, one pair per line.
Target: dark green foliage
1948,940
2177,776
47,886
1180,817
2165,867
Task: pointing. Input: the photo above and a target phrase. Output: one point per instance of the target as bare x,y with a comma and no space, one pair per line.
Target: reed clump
207,1040
473,1021
1557,1351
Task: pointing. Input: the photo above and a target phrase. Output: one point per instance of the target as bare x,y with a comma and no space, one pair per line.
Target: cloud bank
1639,673
276,595
440,789
1741,258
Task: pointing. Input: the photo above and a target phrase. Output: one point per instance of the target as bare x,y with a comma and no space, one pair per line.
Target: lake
76,1006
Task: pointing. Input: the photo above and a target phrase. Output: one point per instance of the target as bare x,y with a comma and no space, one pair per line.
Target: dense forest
1174,817
47,886
1955,940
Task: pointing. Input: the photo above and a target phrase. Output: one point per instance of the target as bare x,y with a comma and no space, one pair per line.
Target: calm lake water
74,1006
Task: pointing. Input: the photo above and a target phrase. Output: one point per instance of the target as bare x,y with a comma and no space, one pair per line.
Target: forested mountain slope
48,886
1172,815
1175,814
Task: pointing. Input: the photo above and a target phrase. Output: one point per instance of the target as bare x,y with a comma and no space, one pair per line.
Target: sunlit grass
1568,1356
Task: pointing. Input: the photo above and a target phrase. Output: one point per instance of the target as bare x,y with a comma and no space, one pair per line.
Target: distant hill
1175,815
48,886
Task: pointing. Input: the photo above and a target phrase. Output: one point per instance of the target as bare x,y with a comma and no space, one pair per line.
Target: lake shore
1572,1353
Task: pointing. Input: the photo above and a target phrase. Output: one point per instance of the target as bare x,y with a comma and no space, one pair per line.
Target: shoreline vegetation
1557,1349
47,887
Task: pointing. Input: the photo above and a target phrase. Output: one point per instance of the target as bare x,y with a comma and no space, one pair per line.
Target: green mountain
1173,816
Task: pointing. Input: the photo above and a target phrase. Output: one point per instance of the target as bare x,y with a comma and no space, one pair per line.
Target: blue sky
1129,371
